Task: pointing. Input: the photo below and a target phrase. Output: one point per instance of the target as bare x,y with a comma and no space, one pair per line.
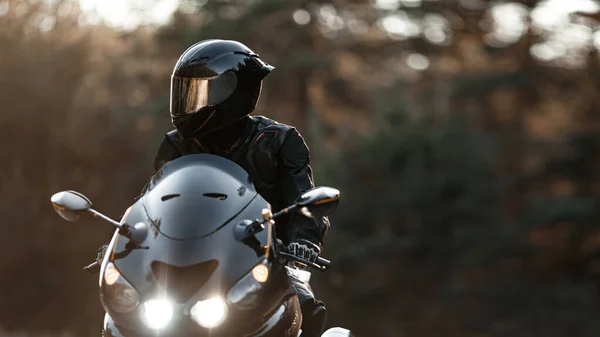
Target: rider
214,87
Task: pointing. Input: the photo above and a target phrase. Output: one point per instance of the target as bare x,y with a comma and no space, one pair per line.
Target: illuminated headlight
158,313
119,294
209,313
244,293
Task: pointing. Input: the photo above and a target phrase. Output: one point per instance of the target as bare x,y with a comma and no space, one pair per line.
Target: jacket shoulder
173,136
265,125
169,149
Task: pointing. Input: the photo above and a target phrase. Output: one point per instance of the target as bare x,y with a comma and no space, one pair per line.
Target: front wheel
337,332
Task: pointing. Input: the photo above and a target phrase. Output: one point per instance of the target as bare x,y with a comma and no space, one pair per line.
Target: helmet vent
169,196
219,196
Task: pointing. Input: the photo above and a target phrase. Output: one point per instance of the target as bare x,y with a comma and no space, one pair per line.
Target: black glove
304,249
100,254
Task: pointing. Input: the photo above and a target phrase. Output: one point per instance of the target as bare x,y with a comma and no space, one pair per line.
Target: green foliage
431,184
544,211
421,213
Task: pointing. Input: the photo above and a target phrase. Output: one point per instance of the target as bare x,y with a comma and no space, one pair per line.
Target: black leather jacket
276,158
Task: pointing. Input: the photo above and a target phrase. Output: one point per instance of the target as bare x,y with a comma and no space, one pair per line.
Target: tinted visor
190,94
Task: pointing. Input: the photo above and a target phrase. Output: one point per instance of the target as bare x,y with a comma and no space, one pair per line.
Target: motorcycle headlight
158,313
245,292
119,294
209,313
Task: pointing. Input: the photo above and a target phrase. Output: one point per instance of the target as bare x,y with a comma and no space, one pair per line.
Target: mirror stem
97,214
290,209
257,225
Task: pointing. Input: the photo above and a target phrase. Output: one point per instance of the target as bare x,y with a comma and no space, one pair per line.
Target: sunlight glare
417,61
553,13
510,21
399,26
128,14
387,4
301,17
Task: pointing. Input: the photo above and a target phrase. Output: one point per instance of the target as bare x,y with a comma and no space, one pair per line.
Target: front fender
110,329
285,321
337,332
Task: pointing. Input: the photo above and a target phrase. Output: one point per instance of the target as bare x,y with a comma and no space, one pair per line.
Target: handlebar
321,264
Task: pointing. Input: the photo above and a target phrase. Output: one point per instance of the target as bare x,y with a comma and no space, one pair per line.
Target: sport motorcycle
197,255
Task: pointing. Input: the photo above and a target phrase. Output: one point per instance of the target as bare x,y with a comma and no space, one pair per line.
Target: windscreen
195,195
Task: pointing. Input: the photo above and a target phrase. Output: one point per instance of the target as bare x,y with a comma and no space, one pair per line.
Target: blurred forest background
464,135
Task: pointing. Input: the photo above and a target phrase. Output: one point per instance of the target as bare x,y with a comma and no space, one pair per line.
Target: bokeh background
463,134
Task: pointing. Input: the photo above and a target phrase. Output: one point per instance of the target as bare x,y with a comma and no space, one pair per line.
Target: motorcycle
191,257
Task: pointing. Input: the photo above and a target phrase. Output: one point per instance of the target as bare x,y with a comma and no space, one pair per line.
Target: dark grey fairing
191,252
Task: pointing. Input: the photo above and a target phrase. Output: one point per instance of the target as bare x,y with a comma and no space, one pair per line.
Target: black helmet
214,84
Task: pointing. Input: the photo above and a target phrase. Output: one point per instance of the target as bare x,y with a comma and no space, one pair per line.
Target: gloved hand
304,249
100,254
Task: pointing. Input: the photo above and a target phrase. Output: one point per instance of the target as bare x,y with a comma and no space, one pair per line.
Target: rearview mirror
70,204
318,202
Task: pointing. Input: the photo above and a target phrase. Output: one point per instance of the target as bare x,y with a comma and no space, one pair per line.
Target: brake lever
93,268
